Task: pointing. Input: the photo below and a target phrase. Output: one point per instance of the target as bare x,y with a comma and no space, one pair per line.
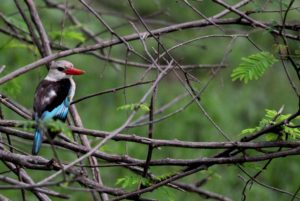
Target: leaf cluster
253,66
58,126
272,117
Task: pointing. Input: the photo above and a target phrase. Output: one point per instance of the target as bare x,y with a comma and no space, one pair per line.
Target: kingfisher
52,97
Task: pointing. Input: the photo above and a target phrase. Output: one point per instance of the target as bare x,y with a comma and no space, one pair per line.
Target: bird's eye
60,68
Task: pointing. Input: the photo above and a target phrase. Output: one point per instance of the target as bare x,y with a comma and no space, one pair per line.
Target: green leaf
126,107
58,126
273,117
68,33
249,131
133,106
270,114
144,107
74,35
268,119
253,66
293,132
165,176
120,181
271,137
131,181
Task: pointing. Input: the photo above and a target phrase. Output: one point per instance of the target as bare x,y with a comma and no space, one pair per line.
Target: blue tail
37,141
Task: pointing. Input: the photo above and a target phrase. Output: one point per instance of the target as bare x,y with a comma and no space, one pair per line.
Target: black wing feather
43,101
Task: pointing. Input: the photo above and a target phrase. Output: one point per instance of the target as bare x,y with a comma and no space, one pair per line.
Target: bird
52,97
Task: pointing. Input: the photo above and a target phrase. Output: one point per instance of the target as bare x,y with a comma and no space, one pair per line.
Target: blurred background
234,106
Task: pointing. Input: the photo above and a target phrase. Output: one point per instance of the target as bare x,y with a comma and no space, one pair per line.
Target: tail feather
37,141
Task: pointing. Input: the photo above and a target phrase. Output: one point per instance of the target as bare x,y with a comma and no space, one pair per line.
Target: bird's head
62,69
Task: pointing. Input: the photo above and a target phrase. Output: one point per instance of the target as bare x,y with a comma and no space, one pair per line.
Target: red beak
74,71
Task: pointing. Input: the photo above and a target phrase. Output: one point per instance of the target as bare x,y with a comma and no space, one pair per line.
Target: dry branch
149,59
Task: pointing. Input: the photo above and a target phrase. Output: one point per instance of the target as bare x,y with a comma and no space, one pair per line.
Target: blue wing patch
60,112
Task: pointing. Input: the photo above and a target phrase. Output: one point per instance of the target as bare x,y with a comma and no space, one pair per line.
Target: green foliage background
233,105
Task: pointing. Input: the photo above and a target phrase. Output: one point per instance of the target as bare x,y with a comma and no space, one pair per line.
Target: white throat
54,75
